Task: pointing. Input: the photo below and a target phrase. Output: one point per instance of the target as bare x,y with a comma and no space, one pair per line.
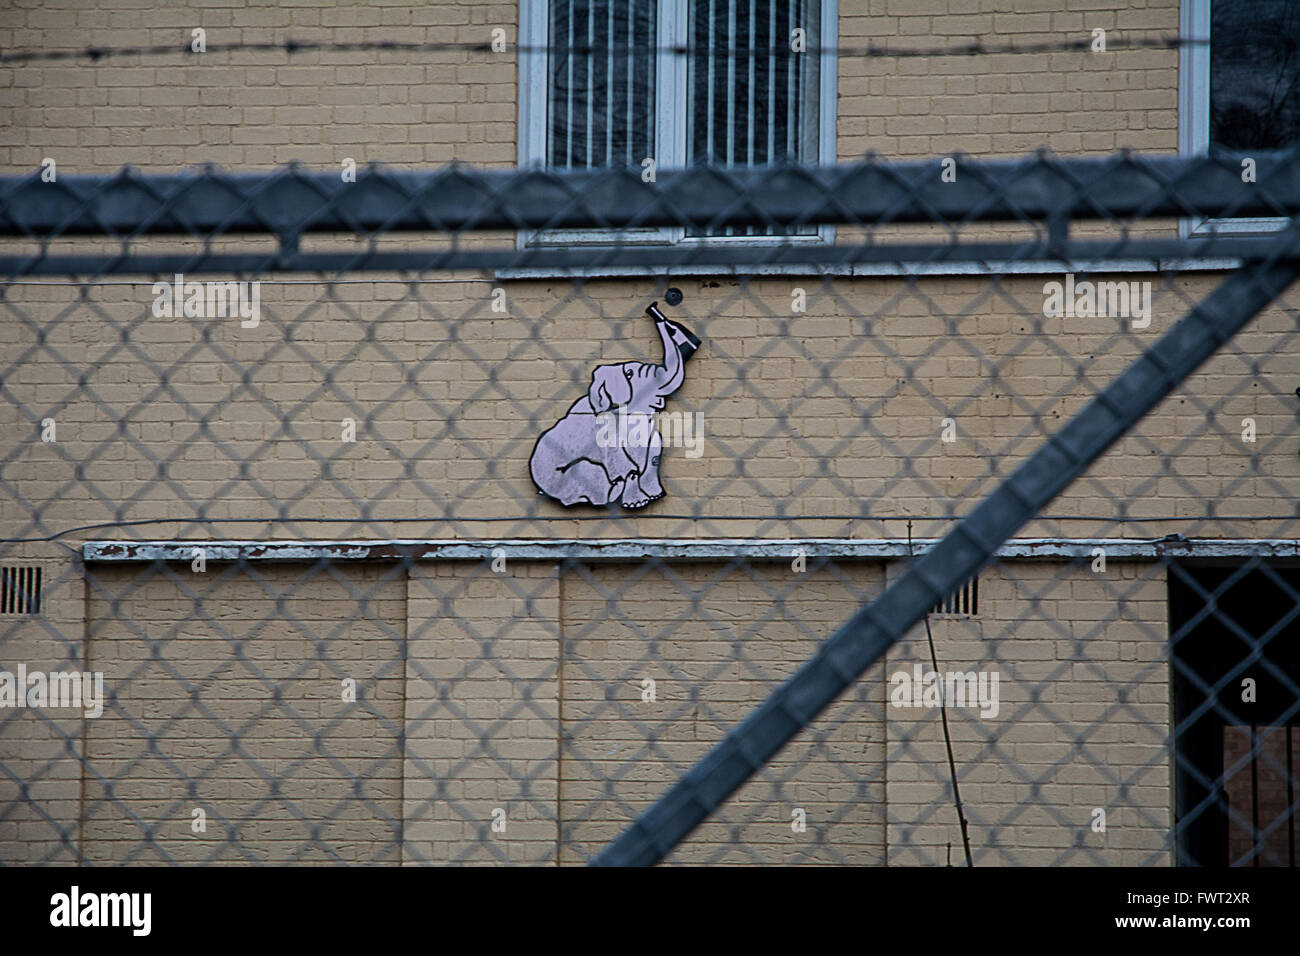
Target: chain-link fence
933,512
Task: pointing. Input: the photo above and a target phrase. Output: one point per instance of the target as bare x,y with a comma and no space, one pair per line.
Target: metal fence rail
1045,193
534,683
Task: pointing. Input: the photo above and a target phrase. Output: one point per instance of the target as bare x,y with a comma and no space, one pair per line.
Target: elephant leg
584,481
647,487
649,480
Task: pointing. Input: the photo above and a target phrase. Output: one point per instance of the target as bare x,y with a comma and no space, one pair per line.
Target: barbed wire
871,50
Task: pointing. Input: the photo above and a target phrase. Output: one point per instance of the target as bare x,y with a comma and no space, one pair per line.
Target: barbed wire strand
870,51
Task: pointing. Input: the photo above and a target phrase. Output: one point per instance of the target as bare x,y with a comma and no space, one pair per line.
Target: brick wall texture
503,715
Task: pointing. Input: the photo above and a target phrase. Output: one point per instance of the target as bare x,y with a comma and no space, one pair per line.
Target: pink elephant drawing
607,449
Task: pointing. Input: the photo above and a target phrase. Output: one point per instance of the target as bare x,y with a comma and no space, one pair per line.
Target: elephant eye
627,372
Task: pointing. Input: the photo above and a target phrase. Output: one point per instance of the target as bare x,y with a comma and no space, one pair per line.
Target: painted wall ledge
676,549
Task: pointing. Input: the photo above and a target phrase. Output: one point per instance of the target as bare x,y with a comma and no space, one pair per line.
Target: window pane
1259,794
602,71
753,101
1254,73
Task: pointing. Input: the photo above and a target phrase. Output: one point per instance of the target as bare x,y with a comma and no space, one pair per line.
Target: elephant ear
609,387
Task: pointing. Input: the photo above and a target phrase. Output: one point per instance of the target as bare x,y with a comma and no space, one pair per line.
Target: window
1242,91
1235,662
616,82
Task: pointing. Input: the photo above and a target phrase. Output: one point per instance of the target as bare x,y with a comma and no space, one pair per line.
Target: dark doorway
1236,759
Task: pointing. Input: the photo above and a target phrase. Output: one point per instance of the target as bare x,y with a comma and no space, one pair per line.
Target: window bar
730,158
771,79
568,126
791,106
609,81
711,79
591,66
652,79
628,158
783,65
749,137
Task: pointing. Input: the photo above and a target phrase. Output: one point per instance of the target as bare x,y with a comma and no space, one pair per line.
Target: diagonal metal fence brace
863,639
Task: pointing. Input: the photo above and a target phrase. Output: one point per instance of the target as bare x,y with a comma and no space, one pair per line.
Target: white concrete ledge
887,269
673,549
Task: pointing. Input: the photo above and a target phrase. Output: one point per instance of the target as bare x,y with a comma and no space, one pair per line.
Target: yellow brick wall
942,337
482,708
715,639
521,698
262,108
832,413
224,680
475,668
1082,724
40,788
257,109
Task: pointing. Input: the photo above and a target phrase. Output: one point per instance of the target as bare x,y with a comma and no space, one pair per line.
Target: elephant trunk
674,366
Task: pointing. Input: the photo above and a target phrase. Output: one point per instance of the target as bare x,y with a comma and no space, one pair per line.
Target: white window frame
1194,115
671,71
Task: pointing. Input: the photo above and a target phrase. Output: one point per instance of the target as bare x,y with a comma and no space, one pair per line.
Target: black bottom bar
957,907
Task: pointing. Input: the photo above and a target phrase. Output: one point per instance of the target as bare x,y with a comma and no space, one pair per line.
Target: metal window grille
602,102
756,104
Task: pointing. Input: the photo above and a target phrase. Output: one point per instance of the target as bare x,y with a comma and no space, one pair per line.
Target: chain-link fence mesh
319,555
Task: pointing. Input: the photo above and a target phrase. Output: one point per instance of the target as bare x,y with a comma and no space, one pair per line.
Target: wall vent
20,590
964,602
